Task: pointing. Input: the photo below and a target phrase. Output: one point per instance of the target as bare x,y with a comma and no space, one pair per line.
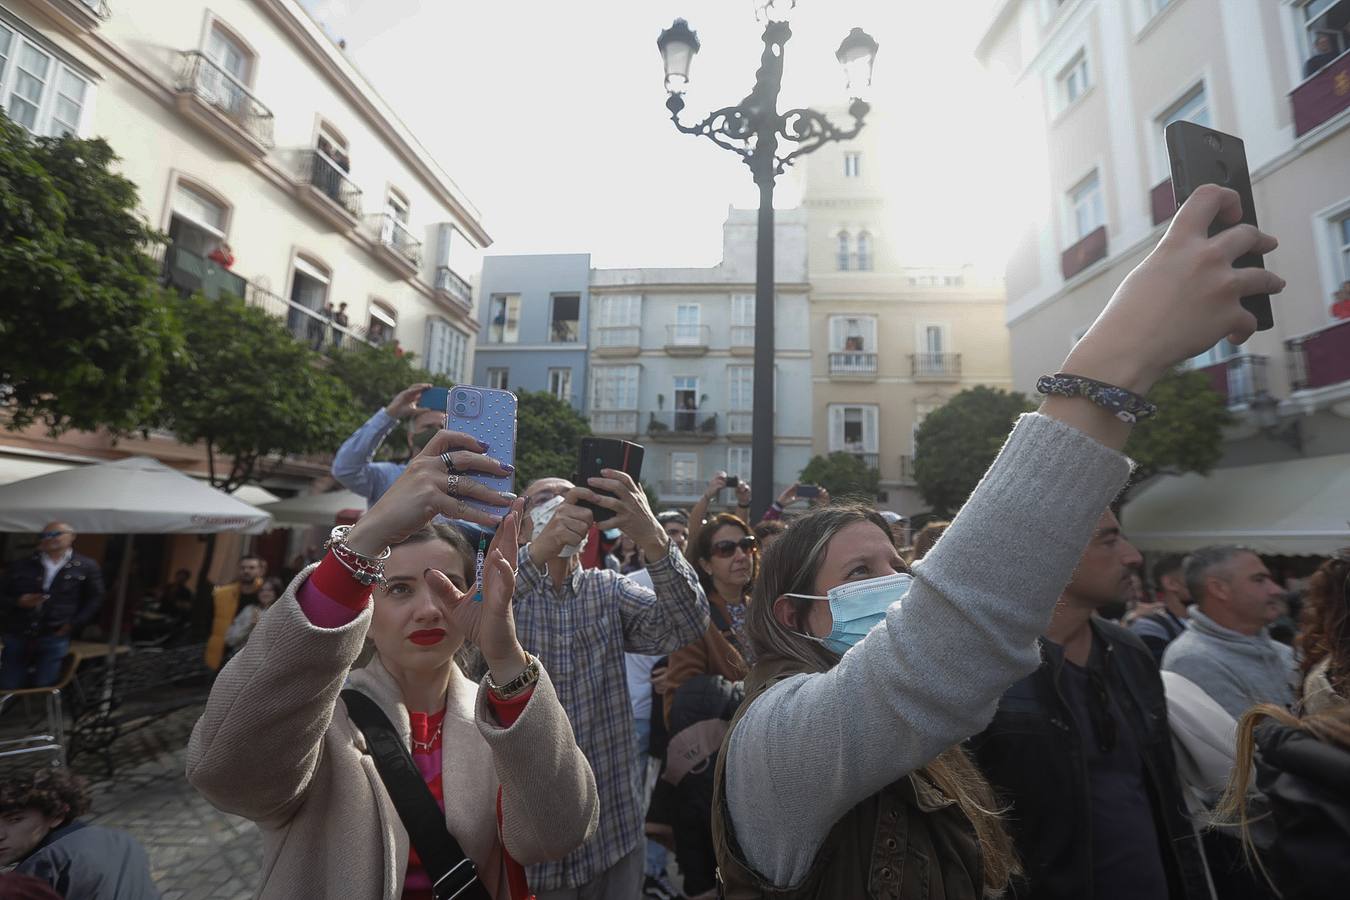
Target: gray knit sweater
929,675
1237,670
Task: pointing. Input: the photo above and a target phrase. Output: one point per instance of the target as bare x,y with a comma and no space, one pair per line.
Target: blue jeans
657,855
41,654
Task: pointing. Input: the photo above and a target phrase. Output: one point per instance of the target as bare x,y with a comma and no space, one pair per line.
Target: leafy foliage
844,475
374,375
87,333
548,432
251,392
1187,433
957,442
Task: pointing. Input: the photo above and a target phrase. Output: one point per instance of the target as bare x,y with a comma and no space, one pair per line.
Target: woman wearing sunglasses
843,774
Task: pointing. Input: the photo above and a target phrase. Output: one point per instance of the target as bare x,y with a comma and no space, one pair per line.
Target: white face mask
858,605
542,514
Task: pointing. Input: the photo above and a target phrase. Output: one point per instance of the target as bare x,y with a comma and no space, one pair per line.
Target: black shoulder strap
453,874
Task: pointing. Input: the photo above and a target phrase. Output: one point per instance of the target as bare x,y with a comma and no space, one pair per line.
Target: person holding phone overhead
354,464
388,784
580,622
868,679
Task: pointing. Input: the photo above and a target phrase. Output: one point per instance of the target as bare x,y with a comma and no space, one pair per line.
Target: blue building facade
533,311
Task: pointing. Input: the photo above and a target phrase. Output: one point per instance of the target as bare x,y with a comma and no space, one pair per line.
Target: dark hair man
44,601
228,599
40,836
1160,628
1081,749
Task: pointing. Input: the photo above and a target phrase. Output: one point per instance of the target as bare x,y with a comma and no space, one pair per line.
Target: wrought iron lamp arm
811,130
729,123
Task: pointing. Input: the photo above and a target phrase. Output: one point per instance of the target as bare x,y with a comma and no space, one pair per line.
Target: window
614,387
853,429
842,253
738,462
853,334
560,384
1220,352
934,341
1085,201
446,348
688,330
742,320
1073,79
864,252
685,402
37,89
1322,40
199,222
565,320
619,320
852,164
1193,107
309,291
383,321
504,319
740,388
499,379
1342,239
684,473
223,80
332,147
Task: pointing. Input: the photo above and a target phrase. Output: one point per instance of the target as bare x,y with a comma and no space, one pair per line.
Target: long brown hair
1331,727
702,551
1326,622
791,565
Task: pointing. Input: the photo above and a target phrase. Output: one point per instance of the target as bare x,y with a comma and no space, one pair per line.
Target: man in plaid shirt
579,623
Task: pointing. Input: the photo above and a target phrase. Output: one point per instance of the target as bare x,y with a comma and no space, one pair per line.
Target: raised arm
699,514
354,463
931,673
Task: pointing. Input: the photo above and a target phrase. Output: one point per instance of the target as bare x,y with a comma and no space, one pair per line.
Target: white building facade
671,362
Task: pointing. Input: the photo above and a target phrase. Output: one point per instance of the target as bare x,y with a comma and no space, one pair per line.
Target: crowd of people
453,702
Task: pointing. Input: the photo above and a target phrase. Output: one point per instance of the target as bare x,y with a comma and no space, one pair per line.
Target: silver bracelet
367,570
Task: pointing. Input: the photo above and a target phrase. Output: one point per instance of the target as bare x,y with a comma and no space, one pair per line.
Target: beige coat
275,746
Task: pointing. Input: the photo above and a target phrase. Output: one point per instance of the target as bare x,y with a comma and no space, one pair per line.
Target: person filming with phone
579,622
354,465
401,779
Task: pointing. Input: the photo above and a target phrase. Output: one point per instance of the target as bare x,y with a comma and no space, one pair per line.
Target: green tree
957,442
374,375
844,475
548,433
86,332
1187,433
252,394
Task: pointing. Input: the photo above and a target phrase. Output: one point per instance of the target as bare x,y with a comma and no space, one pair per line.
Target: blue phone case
490,416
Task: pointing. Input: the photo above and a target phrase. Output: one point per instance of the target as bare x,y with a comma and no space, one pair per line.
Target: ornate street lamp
754,129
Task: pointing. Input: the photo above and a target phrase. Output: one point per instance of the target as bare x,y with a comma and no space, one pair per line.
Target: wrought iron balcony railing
853,362
217,88
450,283
324,175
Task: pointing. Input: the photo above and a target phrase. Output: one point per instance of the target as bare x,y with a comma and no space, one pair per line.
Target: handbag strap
453,875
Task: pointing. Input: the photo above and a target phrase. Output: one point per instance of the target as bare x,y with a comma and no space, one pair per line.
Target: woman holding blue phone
403,774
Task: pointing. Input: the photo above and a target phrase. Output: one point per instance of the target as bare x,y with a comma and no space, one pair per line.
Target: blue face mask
858,605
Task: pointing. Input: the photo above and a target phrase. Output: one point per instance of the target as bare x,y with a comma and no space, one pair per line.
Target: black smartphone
606,453
1200,155
733,481
808,491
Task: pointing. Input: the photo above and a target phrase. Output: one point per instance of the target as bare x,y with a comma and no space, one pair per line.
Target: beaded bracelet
1126,406
367,570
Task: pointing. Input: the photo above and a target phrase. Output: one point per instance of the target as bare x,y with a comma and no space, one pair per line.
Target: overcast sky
551,118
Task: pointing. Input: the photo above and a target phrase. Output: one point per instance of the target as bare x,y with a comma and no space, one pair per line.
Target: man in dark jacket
39,833
44,601
1081,751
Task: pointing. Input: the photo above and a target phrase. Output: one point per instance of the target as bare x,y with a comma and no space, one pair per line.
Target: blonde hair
791,565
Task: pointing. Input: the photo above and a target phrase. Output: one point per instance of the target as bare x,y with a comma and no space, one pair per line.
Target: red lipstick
427,638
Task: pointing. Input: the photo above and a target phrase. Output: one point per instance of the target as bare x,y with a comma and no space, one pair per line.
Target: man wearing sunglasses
44,601
1082,751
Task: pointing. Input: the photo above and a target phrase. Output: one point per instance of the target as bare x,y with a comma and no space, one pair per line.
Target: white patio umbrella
138,495
313,509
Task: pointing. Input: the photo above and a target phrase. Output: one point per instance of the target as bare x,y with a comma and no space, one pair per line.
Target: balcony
1084,253
617,340
687,340
684,425
79,15
907,469
1320,359
212,98
740,425
935,366
853,364
1162,201
683,490
1238,380
191,273
395,244
742,340
453,287
1322,97
615,422
326,189
309,326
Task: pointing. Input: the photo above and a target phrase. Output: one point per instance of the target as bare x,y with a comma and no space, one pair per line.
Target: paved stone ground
196,852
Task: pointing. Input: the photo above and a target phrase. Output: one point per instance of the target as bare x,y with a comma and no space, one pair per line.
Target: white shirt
51,566
639,667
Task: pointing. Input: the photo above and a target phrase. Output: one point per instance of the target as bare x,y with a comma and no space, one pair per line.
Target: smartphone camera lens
460,409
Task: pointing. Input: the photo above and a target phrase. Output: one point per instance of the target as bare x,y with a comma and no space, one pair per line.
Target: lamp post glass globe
857,54
677,44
